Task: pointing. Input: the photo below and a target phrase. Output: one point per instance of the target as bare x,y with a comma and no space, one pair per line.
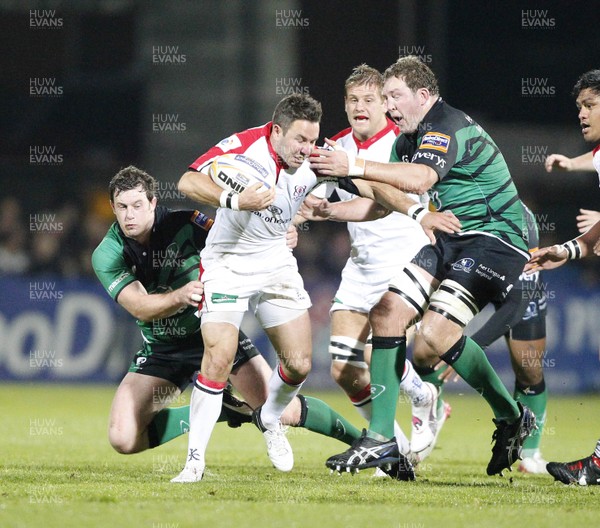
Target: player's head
587,99
410,89
133,200
295,131
364,102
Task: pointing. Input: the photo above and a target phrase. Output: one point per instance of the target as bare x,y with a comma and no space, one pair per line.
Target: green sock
320,418
387,366
471,363
535,397
170,423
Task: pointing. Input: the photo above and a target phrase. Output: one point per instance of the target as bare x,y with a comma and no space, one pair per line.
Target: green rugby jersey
474,180
169,261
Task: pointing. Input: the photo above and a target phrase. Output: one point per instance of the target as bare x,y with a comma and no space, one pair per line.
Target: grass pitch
57,469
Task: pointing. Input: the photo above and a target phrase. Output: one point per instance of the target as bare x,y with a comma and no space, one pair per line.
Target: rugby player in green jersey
148,262
444,152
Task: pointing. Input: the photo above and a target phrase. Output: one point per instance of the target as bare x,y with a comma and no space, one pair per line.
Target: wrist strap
229,200
417,212
573,249
356,166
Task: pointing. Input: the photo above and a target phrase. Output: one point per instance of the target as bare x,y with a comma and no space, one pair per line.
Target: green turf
57,469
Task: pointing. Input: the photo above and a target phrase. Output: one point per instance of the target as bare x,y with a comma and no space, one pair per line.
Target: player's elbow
427,178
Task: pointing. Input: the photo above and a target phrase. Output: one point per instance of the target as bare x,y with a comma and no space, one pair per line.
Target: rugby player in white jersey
246,266
377,247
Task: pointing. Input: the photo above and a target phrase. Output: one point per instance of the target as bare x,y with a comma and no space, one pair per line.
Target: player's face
588,103
365,108
135,213
297,143
404,106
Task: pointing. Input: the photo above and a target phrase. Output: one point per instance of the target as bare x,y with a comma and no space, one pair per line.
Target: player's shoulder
343,135
110,246
238,143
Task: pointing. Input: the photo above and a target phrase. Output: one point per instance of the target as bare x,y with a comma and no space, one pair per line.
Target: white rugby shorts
361,289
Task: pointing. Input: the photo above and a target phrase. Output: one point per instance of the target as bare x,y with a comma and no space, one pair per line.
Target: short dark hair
294,107
364,74
414,72
591,80
131,178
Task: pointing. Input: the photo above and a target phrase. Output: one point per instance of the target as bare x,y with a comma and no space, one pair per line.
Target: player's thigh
350,324
293,343
138,398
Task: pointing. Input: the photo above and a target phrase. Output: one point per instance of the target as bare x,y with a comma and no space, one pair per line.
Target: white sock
205,408
413,386
280,395
401,440
597,450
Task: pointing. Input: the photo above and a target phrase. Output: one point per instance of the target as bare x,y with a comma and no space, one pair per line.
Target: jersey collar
279,163
390,126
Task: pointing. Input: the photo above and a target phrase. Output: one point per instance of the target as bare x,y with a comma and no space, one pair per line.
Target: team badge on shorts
465,264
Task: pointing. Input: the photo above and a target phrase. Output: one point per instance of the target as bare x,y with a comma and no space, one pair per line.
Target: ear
112,206
423,95
153,203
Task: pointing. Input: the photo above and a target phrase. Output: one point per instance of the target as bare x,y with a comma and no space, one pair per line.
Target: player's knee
382,312
123,443
296,367
350,379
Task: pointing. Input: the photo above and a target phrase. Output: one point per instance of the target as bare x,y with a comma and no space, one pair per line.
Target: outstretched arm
557,255
563,163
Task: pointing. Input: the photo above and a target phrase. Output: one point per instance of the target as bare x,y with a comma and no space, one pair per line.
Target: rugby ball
235,172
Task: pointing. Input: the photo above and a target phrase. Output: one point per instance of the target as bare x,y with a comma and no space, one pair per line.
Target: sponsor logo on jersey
464,264
118,280
254,164
140,361
201,220
299,192
223,298
229,143
436,141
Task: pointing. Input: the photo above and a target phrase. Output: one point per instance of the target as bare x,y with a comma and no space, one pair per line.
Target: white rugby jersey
596,160
395,238
250,241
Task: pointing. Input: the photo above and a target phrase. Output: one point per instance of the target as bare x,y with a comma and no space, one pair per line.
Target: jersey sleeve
110,267
437,149
235,144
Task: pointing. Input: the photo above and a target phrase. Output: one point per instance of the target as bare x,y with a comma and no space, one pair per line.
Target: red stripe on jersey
390,126
245,138
597,149
343,133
